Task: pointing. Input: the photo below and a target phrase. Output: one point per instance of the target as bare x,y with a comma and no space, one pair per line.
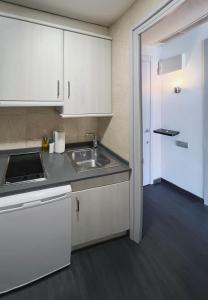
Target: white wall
184,112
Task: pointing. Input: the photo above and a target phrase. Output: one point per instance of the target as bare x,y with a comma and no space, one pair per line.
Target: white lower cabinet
100,212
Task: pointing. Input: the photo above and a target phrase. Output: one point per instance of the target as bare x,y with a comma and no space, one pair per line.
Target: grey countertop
59,170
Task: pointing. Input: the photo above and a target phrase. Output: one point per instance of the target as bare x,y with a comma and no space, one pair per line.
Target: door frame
148,59
205,125
136,153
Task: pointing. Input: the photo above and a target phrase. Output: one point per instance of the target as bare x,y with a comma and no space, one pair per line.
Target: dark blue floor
171,262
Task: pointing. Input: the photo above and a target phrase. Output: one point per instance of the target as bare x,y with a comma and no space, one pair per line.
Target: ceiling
102,12
189,14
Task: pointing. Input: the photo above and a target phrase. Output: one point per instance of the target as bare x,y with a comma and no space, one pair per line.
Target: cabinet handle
58,89
77,200
69,89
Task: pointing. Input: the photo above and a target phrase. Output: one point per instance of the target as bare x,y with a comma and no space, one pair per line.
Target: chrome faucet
95,142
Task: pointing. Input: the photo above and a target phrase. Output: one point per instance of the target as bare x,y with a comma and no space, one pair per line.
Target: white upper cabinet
43,66
87,75
31,62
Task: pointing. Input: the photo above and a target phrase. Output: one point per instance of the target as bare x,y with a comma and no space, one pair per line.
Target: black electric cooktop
24,167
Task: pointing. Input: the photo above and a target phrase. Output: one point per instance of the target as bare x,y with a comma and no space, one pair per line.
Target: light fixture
177,89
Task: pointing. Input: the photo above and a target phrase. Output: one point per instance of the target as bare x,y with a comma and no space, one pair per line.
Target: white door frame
205,125
136,184
147,59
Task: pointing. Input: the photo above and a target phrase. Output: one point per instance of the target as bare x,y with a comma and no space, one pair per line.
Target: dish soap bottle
45,144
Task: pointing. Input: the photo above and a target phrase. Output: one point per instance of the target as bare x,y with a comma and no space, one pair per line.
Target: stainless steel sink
87,159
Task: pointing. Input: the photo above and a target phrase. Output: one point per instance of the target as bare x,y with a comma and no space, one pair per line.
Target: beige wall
114,133
24,127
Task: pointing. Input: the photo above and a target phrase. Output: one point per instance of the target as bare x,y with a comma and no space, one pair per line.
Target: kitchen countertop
59,170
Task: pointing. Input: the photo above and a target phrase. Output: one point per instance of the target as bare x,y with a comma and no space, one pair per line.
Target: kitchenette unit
56,195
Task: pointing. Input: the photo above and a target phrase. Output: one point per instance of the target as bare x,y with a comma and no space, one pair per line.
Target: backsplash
25,127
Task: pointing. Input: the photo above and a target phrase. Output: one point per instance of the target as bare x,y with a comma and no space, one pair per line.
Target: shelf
87,115
166,132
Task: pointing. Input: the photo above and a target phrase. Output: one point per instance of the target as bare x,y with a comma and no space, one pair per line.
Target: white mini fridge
35,235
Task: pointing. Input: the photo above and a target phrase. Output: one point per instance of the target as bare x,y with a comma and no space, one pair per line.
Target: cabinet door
87,74
100,212
91,212
120,208
31,61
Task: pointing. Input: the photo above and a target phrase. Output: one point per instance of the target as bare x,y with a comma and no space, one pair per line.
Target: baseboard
97,242
187,193
157,180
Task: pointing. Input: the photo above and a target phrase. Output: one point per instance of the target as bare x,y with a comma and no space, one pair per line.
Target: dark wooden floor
170,263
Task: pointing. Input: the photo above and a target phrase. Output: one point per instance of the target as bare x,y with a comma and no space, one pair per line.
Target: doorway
180,100
195,13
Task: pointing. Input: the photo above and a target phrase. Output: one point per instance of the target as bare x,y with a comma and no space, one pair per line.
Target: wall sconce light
177,90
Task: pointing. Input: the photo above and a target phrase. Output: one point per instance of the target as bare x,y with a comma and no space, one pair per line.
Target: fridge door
35,240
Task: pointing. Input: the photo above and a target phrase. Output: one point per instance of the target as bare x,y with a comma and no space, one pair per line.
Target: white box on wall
171,64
